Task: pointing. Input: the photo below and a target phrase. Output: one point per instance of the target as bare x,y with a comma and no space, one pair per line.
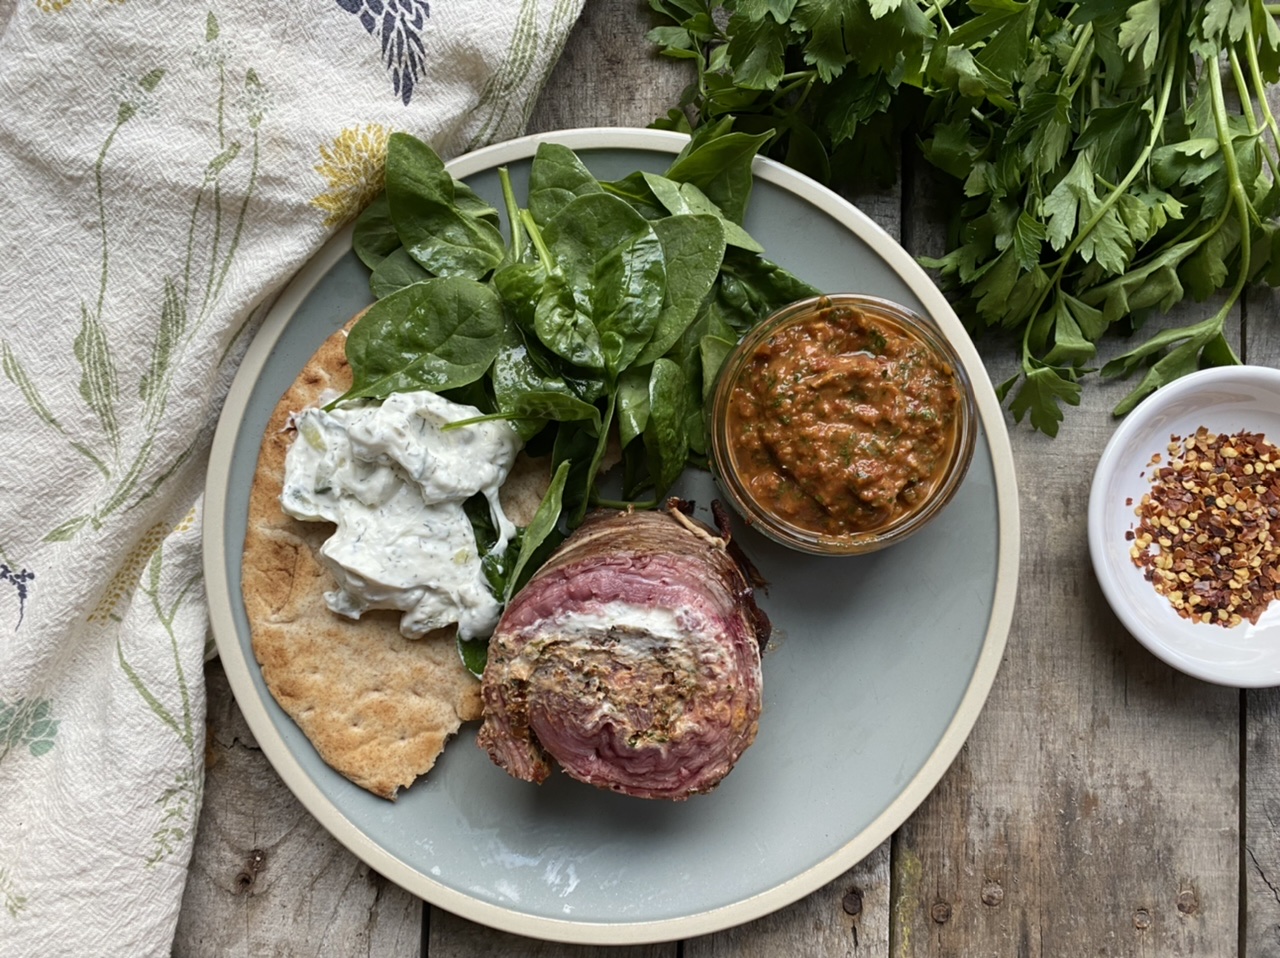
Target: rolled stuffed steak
631,659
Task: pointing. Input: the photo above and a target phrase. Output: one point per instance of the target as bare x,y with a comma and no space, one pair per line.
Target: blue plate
877,671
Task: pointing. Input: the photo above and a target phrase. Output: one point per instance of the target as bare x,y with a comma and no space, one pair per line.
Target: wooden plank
449,936
848,918
1261,838
1094,808
265,877
607,74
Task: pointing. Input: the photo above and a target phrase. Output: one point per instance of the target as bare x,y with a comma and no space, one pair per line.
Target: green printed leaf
67,531
173,322
98,385
151,80
27,723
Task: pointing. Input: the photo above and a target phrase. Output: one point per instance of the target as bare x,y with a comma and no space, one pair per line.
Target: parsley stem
1113,197
1250,119
1260,88
1078,51
1242,90
1236,187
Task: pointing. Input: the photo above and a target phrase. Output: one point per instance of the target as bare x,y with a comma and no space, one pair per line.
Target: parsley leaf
1101,171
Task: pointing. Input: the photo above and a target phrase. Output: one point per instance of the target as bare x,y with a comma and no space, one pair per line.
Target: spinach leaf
587,228
435,335
556,178
575,446
474,654
374,236
681,198
633,190
542,533
712,350
627,291
633,404
720,166
608,278
471,203
396,271
520,286
692,249
750,287
528,395
564,327
442,235
665,436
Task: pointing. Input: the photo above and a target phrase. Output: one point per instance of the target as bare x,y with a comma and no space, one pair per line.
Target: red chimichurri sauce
842,421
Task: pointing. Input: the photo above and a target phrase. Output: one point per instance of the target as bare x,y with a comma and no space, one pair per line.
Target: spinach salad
602,315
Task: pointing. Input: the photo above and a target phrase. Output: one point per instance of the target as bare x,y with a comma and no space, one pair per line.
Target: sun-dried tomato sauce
841,422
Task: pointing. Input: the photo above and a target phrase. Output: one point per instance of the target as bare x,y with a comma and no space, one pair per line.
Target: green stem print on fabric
498,98
180,799
14,903
127,457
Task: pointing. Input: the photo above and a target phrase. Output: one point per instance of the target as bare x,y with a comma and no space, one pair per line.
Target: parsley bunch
1111,157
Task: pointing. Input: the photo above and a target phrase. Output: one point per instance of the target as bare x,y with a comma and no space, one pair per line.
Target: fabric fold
166,170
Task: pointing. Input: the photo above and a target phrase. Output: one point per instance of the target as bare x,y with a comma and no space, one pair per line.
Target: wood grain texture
1094,809
1261,845
266,878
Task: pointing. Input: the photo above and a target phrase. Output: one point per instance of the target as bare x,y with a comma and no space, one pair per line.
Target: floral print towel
166,168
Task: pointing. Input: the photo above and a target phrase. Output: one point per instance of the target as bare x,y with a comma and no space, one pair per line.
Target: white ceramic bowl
1223,399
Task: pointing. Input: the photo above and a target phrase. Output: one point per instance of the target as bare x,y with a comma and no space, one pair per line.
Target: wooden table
1104,804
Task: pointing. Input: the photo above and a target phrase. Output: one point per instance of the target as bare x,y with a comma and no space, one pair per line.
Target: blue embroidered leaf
397,25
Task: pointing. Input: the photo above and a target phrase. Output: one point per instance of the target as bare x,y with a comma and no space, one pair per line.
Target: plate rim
1128,430
238,667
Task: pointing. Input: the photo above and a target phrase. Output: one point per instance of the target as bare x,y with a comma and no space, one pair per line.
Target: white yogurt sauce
393,481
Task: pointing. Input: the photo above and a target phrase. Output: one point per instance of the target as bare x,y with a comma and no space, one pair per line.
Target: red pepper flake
1204,535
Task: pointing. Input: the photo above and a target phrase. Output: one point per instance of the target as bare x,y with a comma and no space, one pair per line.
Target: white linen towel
164,168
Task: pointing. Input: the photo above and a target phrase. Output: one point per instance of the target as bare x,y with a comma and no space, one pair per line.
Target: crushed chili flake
1204,534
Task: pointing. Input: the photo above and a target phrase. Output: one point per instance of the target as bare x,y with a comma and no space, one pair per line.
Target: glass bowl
841,424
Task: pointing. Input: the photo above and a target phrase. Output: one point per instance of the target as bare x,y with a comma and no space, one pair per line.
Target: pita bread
378,707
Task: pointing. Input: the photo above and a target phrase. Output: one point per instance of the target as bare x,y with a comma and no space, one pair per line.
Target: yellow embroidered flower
352,166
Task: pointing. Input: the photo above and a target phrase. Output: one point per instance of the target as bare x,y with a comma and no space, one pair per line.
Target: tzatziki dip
394,482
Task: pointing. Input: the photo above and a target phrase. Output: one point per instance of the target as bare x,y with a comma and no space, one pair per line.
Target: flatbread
378,707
